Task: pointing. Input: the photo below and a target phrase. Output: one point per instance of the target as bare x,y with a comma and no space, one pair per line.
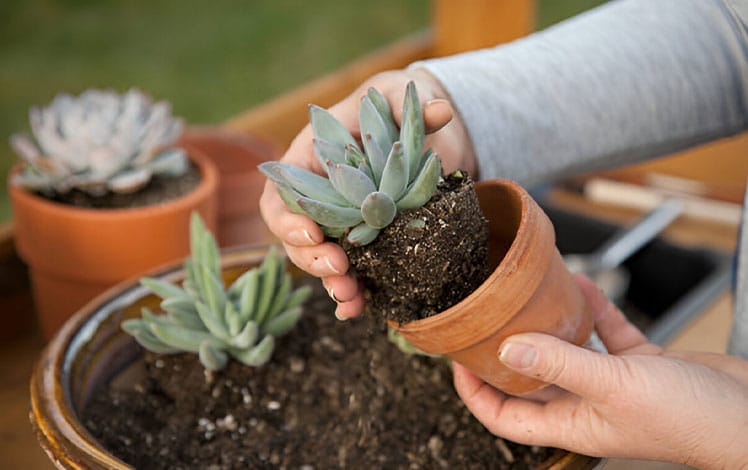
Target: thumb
581,371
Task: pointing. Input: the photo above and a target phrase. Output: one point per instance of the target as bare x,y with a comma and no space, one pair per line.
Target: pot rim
208,184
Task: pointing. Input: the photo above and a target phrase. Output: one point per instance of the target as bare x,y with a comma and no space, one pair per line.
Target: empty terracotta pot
236,155
529,290
76,253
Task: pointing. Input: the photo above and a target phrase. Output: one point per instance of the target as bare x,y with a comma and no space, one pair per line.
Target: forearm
631,80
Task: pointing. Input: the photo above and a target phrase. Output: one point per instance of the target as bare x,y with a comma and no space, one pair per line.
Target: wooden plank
474,24
280,119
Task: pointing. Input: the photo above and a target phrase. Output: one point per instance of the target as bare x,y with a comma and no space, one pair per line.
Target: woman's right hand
302,239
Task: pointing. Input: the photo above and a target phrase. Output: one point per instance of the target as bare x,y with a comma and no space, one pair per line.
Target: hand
637,402
302,238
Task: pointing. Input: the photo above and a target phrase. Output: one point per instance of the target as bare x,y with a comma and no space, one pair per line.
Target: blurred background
210,60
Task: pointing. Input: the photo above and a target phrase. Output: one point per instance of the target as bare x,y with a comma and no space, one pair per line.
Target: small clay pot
240,184
76,253
529,290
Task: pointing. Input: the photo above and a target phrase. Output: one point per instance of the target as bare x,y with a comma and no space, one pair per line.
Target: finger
352,308
618,334
583,372
325,259
292,229
436,114
341,288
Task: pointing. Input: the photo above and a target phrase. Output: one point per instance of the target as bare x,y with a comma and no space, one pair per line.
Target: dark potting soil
427,259
335,395
160,189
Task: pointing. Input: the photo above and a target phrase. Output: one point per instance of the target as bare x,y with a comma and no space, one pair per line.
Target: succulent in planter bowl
99,142
203,317
102,166
453,267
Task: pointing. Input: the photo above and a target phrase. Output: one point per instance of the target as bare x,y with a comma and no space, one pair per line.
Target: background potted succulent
323,395
423,244
101,194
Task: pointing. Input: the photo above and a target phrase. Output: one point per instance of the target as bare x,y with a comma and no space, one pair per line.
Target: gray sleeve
627,81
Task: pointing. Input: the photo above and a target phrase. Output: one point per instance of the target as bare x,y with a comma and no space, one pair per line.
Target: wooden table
18,446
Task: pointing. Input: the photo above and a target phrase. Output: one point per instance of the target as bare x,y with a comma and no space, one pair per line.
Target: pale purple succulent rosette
363,190
99,142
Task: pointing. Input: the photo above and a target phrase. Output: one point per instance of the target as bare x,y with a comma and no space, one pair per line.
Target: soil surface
335,395
427,259
160,189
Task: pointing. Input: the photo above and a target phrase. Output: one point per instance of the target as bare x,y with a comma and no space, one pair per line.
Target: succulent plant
364,189
99,142
204,317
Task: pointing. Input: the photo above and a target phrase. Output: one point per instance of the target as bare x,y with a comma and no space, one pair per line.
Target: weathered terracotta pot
91,349
529,290
240,185
76,253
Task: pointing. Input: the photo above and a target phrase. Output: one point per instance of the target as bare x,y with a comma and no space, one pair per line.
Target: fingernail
436,101
518,355
301,237
323,263
337,315
331,293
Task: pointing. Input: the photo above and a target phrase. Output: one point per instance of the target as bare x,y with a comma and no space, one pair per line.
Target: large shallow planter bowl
529,290
236,155
76,253
91,349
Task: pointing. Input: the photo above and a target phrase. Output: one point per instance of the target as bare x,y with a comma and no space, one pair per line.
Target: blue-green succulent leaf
247,336
302,181
270,270
423,187
333,232
212,289
289,196
412,130
355,157
257,355
378,210
139,330
161,288
325,151
371,123
351,183
212,321
210,357
179,337
283,322
280,295
377,157
362,234
232,320
395,174
330,215
383,107
298,296
326,127
248,297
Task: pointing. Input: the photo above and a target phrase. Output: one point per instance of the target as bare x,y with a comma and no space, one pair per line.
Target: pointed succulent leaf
210,260
298,296
325,150
247,336
302,181
212,289
378,210
162,288
383,107
351,183
189,285
423,187
171,162
355,157
362,234
372,123
395,174
139,330
248,297
282,323
329,214
257,355
178,336
210,357
231,319
280,295
270,270
290,196
211,320
412,130
377,157
326,127
236,287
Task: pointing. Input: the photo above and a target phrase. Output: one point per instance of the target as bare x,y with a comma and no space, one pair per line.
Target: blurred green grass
211,60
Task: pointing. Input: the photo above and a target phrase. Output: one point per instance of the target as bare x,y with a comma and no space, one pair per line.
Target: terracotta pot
240,183
76,253
529,290
91,348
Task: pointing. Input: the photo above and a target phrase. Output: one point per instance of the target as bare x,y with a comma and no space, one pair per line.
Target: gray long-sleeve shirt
627,81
